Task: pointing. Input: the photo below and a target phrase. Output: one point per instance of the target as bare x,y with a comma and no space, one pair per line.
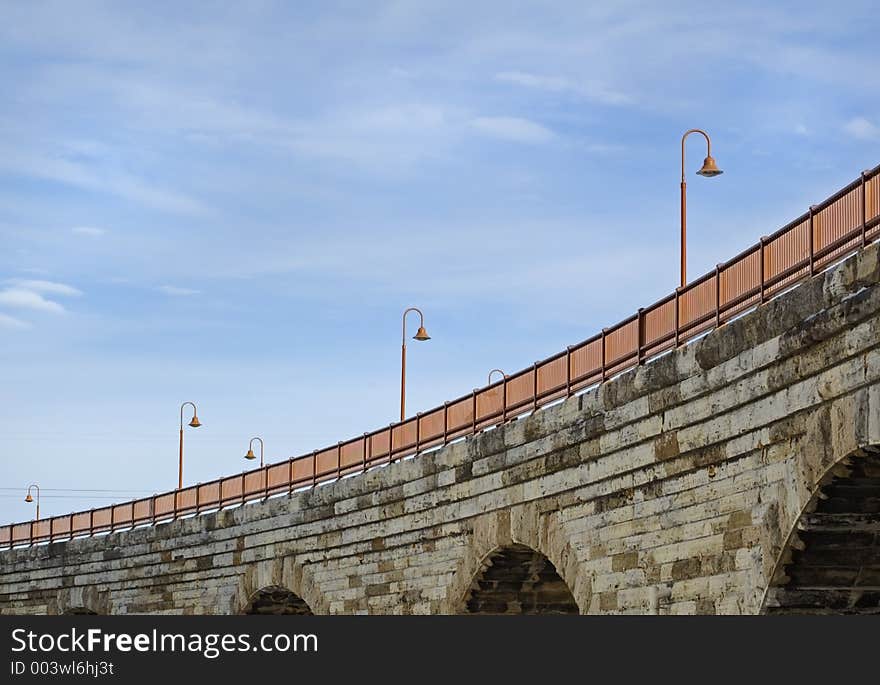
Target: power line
112,490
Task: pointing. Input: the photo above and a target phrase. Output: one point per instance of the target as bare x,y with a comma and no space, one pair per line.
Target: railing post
864,211
474,412
31,543
445,422
812,214
367,443
290,476
640,335
153,508
602,365
717,296
243,485
418,431
314,468
265,482
568,371
91,522
390,443
676,315
535,387
198,487
339,460
504,398
762,243
51,528
70,526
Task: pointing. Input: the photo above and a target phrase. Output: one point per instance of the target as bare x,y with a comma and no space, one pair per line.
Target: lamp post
195,423
28,498
251,456
250,453
709,169
421,335
503,375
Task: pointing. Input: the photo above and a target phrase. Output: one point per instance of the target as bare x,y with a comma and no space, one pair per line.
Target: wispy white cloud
513,129
94,176
48,287
91,231
175,291
862,129
28,299
7,321
558,84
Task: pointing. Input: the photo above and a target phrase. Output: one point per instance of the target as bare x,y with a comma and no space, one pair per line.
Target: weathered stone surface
677,487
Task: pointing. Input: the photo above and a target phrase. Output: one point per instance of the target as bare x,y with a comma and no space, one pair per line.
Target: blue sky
232,203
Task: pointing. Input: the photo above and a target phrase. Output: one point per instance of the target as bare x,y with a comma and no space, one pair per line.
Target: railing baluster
535,387
812,214
640,335
364,455
676,314
568,371
717,296
474,411
864,210
290,476
314,468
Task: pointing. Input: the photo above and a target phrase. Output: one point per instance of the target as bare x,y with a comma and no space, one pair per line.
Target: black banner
221,649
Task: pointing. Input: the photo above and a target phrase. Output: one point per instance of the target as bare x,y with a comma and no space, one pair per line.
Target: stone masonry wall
675,487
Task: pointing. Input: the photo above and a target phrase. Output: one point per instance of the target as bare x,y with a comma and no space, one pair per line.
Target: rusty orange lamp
420,335
709,169
194,423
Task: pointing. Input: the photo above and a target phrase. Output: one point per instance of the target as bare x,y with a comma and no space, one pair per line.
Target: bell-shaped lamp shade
421,334
709,168
250,454
195,423
29,498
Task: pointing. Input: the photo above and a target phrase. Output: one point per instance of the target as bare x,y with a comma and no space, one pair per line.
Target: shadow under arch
831,562
516,579
276,600
79,611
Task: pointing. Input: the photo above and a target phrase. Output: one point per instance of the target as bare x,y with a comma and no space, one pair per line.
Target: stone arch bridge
739,474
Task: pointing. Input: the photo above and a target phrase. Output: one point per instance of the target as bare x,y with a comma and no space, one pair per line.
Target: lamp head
709,168
195,423
29,498
250,454
421,334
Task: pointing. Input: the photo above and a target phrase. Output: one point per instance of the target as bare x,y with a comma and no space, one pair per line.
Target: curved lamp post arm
251,447
503,375
684,137
29,497
195,412
421,321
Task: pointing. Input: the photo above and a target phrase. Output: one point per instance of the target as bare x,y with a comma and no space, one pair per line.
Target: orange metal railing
840,225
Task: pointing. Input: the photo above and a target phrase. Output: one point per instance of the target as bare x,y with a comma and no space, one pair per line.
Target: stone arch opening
79,611
277,600
832,565
516,579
